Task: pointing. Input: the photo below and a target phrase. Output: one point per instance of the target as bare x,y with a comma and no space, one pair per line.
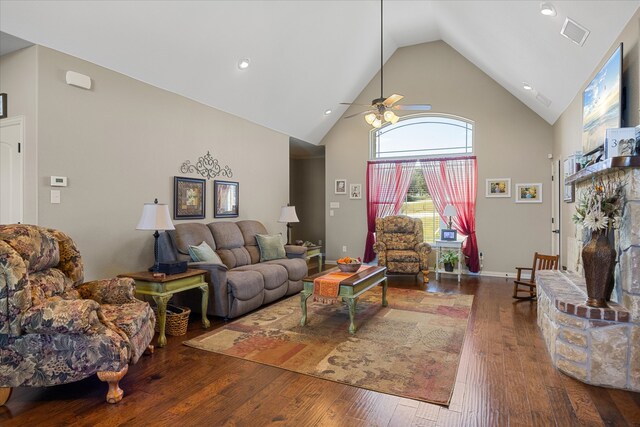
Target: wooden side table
162,289
315,251
455,245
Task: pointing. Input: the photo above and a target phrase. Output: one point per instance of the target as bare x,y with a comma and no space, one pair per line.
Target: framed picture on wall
189,198
226,197
355,191
498,187
341,186
529,193
3,105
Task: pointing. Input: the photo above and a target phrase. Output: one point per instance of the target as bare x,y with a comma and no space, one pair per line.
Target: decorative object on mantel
599,211
206,166
620,142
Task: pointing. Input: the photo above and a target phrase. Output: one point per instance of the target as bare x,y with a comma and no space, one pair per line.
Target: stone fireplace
599,346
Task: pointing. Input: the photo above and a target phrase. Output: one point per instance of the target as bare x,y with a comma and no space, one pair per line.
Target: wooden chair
540,262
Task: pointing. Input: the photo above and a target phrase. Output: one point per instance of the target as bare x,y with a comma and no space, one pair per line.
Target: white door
11,169
556,187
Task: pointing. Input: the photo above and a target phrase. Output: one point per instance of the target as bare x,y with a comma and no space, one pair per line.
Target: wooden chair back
544,262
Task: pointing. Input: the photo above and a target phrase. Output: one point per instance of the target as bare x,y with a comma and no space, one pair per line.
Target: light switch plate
55,196
334,205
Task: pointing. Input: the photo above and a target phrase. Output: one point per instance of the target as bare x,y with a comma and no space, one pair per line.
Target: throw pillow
271,247
203,252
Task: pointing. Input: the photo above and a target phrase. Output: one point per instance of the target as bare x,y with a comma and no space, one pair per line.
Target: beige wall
510,141
121,143
307,195
567,131
18,79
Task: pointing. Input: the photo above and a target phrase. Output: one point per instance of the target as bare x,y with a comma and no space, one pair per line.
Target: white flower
596,221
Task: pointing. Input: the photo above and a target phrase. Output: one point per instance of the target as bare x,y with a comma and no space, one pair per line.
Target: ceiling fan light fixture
390,116
377,123
369,118
547,9
243,64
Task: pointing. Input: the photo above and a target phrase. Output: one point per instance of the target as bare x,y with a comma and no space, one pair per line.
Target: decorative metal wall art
206,166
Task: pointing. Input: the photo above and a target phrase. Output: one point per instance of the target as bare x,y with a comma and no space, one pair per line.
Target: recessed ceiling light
327,112
243,64
526,86
547,9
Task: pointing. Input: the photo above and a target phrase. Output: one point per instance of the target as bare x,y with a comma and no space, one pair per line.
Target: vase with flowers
598,210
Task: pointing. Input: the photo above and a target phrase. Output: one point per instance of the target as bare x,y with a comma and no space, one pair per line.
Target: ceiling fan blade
412,107
359,114
392,100
353,103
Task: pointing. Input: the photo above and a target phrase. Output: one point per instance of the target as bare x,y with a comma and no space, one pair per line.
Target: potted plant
449,258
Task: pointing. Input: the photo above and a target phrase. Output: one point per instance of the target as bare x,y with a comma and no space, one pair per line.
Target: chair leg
5,394
114,395
425,278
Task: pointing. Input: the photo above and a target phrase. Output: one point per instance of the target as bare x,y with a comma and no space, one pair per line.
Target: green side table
161,289
315,251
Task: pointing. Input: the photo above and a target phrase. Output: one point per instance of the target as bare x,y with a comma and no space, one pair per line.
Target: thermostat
58,181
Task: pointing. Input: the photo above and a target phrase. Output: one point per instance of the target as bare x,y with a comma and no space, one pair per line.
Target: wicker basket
177,320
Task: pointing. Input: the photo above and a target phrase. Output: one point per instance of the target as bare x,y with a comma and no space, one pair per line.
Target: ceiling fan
382,109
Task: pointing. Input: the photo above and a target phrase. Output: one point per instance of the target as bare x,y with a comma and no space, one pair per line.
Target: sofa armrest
295,251
118,290
379,247
216,277
59,316
423,247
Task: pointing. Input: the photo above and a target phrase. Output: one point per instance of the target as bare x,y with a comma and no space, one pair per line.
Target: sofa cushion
245,285
203,252
402,256
235,257
296,267
271,247
226,234
273,275
38,248
192,234
249,229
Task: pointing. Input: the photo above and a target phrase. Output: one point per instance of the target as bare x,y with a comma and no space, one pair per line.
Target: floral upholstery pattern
53,328
400,244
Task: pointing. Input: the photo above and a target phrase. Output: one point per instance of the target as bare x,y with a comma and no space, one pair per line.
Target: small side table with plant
448,254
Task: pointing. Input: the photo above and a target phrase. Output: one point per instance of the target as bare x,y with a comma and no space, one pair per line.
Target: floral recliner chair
54,328
400,245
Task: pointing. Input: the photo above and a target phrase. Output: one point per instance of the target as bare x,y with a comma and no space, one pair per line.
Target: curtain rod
427,159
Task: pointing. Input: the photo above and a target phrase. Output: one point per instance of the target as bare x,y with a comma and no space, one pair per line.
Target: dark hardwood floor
505,379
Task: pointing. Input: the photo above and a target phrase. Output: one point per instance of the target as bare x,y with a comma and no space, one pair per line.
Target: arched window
423,136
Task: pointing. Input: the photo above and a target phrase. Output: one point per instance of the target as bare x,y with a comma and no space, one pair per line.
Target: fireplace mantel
603,167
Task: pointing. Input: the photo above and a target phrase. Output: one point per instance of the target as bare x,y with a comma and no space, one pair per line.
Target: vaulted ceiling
308,56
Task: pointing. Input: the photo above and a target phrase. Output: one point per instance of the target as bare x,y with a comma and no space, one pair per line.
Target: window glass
421,136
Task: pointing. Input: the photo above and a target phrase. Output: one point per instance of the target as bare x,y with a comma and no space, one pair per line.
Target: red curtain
387,186
454,181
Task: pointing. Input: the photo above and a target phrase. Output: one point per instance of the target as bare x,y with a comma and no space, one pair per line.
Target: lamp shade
288,214
155,216
450,210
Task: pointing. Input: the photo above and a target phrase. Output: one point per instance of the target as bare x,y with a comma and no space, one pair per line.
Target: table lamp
155,216
288,215
450,211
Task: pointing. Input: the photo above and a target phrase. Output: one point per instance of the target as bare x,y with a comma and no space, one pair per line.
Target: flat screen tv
601,103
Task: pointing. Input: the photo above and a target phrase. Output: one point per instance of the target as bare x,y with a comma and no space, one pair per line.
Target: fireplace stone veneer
599,346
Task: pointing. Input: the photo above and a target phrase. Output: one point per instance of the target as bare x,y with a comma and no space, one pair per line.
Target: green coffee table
350,289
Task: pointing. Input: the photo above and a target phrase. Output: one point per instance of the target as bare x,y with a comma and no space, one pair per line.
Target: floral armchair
54,328
400,246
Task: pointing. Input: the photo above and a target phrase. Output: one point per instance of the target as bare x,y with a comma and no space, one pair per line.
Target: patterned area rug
410,348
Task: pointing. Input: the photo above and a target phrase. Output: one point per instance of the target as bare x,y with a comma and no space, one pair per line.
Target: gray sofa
243,283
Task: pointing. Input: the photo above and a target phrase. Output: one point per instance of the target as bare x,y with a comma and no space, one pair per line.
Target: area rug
411,348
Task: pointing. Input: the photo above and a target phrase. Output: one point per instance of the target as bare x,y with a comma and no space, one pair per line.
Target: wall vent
574,32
